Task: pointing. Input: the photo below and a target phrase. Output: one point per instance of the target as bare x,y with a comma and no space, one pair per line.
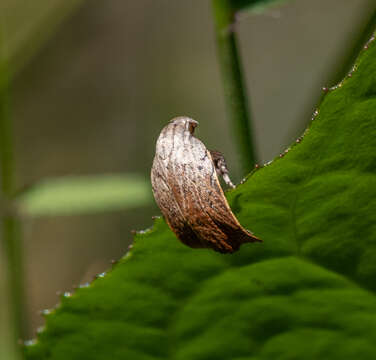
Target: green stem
10,227
235,91
6,143
12,247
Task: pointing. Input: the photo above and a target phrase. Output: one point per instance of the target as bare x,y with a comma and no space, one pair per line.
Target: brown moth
186,188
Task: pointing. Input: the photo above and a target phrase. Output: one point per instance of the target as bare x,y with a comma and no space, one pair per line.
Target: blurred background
93,83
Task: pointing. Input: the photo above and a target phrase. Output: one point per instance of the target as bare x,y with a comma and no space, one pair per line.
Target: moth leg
221,167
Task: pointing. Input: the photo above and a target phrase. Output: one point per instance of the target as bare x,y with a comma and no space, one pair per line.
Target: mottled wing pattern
187,190
164,194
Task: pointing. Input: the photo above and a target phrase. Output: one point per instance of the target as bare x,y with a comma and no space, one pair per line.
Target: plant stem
12,247
234,87
6,145
10,227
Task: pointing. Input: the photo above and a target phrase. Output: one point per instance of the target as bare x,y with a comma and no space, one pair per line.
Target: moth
186,187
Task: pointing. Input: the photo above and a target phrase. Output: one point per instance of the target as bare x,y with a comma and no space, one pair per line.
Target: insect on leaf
187,190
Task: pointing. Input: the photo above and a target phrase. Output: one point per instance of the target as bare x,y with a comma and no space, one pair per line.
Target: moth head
187,123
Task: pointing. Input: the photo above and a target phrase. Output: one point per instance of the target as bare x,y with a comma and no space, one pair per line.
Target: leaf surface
307,292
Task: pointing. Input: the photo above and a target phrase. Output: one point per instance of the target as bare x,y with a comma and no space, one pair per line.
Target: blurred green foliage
252,5
85,194
9,240
28,27
307,292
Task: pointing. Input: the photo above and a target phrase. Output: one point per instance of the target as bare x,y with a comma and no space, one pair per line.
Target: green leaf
85,194
307,292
